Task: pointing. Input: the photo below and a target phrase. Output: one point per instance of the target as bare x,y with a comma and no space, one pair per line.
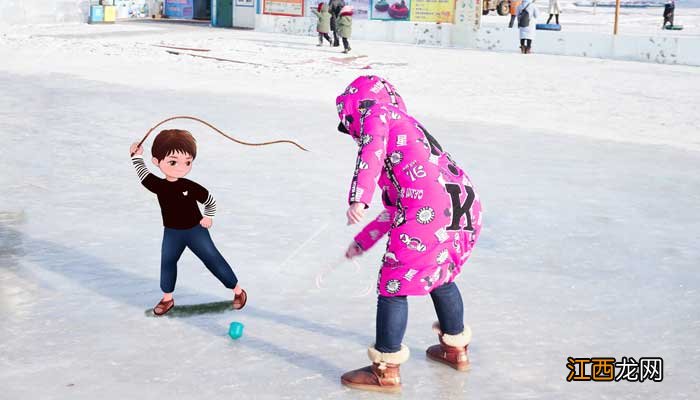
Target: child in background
174,152
324,23
345,27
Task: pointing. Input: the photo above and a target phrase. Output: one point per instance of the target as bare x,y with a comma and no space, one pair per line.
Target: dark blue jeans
199,241
392,316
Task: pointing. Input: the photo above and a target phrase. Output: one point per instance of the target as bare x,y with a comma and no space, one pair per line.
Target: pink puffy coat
432,212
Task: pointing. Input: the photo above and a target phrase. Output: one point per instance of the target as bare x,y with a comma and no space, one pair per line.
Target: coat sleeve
376,229
370,157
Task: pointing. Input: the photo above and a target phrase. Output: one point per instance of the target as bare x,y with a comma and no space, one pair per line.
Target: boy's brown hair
171,141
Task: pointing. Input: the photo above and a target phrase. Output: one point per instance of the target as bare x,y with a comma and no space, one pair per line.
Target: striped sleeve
210,206
148,180
140,167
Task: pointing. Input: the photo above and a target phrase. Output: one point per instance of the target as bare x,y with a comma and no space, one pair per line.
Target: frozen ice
587,169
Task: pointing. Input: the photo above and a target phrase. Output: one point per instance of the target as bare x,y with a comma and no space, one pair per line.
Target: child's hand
206,222
355,213
135,149
353,251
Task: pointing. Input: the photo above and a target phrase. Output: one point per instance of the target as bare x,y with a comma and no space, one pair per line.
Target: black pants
553,15
336,42
322,36
346,44
669,11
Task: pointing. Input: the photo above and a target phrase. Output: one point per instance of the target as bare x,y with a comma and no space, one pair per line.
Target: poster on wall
292,8
179,9
360,7
132,8
390,10
433,10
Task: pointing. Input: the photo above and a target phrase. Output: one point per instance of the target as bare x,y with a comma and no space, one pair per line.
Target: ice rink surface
587,169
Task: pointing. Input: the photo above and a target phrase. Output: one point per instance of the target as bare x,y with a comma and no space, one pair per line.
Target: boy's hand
135,149
353,251
206,222
355,213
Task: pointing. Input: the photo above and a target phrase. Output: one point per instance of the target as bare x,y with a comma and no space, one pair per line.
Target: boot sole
442,361
371,388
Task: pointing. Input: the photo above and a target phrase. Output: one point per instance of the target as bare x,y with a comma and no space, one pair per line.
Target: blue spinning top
235,330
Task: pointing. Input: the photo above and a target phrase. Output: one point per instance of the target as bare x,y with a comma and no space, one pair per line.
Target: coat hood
361,94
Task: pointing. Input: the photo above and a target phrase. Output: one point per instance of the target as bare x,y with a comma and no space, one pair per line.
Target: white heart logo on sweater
185,192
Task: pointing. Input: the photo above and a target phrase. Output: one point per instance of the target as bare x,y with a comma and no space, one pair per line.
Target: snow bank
654,48
14,12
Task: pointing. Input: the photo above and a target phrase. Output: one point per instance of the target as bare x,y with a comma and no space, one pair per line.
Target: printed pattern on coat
436,211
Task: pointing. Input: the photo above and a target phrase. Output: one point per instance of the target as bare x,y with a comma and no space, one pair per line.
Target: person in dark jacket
334,7
669,9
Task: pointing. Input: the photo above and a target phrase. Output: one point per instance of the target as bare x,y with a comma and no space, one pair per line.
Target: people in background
335,6
669,9
527,15
513,11
345,27
324,23
554,10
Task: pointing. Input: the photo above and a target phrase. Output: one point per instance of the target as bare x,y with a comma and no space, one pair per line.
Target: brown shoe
239,300
452,349
382,376
163,307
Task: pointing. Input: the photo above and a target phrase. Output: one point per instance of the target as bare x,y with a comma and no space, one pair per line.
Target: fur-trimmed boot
452,349
382,376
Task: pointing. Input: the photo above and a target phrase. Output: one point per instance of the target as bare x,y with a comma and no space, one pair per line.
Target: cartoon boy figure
174,152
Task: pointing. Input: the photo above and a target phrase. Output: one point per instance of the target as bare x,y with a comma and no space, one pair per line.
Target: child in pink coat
432,215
